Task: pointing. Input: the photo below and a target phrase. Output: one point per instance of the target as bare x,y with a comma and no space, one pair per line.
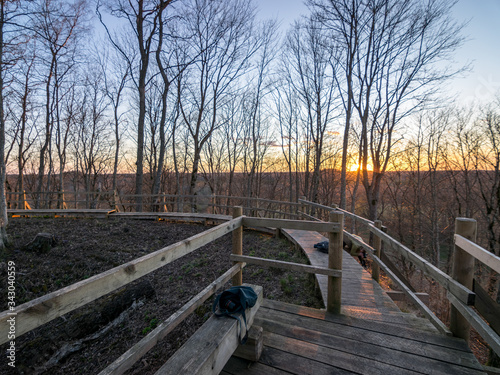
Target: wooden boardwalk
299,340
362,297
371,336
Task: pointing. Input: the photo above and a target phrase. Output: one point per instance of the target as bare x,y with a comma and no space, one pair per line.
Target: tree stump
42,243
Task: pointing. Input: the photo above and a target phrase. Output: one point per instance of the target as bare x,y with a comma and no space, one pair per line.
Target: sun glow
355,167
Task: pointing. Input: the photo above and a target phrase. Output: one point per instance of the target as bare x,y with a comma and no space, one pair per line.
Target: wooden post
463,272
252,349
26,205
164,203
335,248
116,199
238,244
302,205
377,245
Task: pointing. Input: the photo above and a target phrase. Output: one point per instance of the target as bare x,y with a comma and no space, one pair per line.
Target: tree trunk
3,204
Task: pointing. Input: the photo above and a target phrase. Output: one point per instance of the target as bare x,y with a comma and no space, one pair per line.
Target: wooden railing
214,204
460,286
42,310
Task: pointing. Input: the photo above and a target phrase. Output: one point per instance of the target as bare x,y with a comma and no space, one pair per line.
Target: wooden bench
211,346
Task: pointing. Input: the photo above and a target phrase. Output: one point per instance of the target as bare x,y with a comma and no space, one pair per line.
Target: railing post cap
465,219
335,215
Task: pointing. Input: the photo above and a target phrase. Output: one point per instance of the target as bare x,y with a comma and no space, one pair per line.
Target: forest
348,105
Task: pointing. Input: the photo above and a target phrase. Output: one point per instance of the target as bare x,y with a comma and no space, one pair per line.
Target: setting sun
354,167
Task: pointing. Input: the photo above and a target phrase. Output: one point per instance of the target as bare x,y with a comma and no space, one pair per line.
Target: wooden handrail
464,294
291,224
335,207
286,265
484,330
483,255
42,310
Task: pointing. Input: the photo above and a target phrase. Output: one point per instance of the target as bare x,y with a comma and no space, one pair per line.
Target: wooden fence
462,292
42,310
214,204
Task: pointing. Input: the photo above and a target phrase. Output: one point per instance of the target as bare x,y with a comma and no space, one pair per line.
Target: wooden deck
371,336
300,340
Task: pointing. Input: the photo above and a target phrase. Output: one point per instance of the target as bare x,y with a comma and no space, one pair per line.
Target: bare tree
287,112
341,19
487,168
398,44
254,103
56,24
10,46
224,41
115,80
142,18
92,147
25,114
312,73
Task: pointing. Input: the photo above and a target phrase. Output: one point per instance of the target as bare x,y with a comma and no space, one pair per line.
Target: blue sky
482,48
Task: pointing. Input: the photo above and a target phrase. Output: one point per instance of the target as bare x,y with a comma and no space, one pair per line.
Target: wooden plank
291,224
332,356
483,255
373,337
286,265
396,295
310,217
258,199
491,370
297,365
371,351
384,327
388,262
335,207
461,292
377,249
41,310
209,349
484,330
131,356
487,307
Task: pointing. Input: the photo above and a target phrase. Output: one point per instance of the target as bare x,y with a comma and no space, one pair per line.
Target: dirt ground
90,338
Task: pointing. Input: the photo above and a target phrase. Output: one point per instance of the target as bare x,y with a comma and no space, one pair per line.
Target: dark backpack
233,302
322,246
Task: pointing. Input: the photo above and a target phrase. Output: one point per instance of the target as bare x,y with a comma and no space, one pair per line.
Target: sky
481,50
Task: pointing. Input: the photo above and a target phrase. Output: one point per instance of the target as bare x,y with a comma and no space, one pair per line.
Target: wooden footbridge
361,330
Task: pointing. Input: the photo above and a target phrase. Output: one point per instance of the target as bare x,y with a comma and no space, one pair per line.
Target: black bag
322,246
234,302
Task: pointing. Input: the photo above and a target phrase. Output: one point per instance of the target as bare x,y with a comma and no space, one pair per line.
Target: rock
42,243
